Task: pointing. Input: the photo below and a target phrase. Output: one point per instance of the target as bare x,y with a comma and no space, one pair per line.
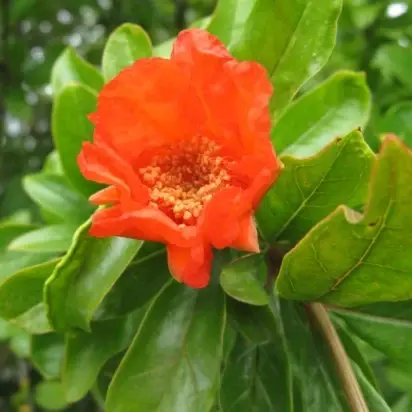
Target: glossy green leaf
400,377
86,353
71,107
174,361
387,329
355,354
84,276
53,238
398,120
403,405
309,189
9,231
19,217
24,289
4,330
373,398
291,38
253,380
312,354
53,195
53,164
49,395
316,385
255,323
164,49
20,342
244,279
125,45
260,357
34,320
334,108
140,282
349,259
47,354
12,261
70,67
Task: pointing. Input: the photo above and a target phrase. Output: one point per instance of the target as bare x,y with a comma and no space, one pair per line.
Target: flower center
184,177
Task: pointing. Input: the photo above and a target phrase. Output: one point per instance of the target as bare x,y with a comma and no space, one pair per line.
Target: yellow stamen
185,178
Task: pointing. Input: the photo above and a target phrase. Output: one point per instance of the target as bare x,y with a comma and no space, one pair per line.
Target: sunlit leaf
309,189
70,67
349,259
125,45
84,276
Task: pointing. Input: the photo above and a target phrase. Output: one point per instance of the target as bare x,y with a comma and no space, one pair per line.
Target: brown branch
343,366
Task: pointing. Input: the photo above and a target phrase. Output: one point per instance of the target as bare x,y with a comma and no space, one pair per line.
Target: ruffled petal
235,95
192,265
146,224
147,104
200,54
249,101
247,239
219,222
261,172
101,164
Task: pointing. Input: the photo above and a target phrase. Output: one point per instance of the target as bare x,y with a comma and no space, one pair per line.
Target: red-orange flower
184,146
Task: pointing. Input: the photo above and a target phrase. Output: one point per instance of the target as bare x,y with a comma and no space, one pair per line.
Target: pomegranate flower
184,146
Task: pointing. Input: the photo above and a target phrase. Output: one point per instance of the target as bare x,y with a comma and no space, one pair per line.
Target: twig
344,368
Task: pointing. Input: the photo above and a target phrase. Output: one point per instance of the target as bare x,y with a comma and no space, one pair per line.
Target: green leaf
139,283
34,320
86,353
395,61
54,238
398,120
49,395
9,231
248,380
125,45
54,196
24,289
21,216
309,189
291,38
349,259
386,328
71,107
12,261
20,343
255,323
84,276
47,354
334,108
164,49
355,354
174,361
403,405
244,279
70,67
4,330
316,385
373,398
53,164
260,357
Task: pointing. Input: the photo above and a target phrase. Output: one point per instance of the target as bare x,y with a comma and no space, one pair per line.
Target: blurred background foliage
374,36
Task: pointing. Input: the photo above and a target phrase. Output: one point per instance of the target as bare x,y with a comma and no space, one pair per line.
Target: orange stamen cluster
184,178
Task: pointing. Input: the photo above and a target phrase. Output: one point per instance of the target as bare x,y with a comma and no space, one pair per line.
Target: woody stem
343,366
